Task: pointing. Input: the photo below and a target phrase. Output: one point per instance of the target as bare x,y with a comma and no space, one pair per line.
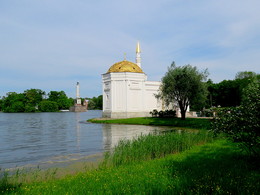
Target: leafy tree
14,102
1,104
95,103
48,106
245,74
225,93
228,93
242,124
34,96
185,86
60,98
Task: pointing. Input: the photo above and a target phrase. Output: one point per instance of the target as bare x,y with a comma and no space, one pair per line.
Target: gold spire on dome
138,49
125,66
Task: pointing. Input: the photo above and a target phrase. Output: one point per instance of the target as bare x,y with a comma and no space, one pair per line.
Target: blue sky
52,44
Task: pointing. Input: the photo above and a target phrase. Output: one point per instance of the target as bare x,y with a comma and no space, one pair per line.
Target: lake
54,139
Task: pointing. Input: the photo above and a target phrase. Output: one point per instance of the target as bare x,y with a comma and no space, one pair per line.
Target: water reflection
113,133
52,138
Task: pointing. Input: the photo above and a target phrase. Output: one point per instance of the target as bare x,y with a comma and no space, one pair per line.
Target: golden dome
125,66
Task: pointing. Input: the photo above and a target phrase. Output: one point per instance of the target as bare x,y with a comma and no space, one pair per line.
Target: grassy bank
214,168
197,123
148,147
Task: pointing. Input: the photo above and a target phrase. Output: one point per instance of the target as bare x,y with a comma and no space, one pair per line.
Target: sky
53,44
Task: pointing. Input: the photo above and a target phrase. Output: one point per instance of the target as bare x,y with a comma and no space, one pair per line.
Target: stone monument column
77,95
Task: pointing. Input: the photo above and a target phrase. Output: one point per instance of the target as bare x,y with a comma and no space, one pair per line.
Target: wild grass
218,167
196,123
153,146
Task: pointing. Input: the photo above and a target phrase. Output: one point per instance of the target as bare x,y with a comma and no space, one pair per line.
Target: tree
60,98
242,124
32,99
228,93
245,74
185,86
48,106
34,96
14,102
1,104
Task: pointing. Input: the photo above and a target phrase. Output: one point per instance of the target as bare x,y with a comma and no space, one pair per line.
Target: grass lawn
218,167
197,123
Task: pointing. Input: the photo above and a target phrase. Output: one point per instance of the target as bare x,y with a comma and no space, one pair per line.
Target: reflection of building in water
113,133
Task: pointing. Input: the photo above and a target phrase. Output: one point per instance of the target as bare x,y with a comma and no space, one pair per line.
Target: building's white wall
151,89
129,95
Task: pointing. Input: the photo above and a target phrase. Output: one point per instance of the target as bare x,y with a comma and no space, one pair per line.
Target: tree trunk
183,110
183,114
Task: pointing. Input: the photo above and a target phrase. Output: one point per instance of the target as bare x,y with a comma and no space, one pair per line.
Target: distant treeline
36,100
228,93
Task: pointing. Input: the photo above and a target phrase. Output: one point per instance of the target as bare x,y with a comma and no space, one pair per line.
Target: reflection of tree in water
113,133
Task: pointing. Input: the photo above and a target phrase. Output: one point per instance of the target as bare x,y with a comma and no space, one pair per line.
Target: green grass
153,146
214,168
197,123
188,162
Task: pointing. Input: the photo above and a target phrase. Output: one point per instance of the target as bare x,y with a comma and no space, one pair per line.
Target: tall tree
60,98
245,74
32,99
184,85
34,96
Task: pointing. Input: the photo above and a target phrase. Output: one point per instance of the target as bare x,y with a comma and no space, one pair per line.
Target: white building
126,91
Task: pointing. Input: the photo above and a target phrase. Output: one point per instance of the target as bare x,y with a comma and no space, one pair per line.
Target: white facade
129,94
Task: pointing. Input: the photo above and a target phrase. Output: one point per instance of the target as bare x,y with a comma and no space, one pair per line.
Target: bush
48,106
242,124
163,114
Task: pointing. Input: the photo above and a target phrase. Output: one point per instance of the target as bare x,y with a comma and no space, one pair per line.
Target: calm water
47,139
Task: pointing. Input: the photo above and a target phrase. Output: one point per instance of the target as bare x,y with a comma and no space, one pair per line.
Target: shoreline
61,168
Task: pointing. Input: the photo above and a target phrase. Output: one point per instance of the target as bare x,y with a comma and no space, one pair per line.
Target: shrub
154,113
48,106
163,114
242,124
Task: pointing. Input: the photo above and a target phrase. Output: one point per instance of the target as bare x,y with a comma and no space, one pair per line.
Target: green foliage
1,104
30,100
33,96
242,124
163,114
184,85
61,99
95,103
245,74
14,102
29,108
48,106
228,93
